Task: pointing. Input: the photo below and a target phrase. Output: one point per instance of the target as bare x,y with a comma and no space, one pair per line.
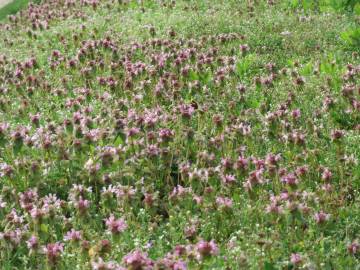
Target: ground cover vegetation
201,134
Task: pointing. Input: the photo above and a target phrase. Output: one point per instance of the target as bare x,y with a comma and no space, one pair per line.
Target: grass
13,7
264,141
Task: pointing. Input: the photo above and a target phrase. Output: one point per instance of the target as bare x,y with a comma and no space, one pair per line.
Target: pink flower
131,132
190,231
295,258
337,134
82,205
326,175
138,260
206,248
300,171
353,248
226,163
53,251
242,163
241,88
166,134
186,110
198,199
296,114
179,265
32,243
327,187
101,265
244,48
36,213
274,208
27,199
224,202
321,217
228,179
290,179
73,236
115,225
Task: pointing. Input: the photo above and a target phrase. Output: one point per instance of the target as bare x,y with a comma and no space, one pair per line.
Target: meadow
173,135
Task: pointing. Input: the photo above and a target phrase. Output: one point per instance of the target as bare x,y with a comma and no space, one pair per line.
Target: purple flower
73,236
186,110
166,134
337,134
27,199
353,248
131,132
53,251
321,217
301,171
296,114
296,259
3,128
32,243
115,225
206,248
228,179
82,205
190,231
242,163
244,48
179,265
138,260
224,202
274,208
101,265
326,175
290,179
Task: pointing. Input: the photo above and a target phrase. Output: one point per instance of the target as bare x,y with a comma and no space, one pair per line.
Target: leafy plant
352,37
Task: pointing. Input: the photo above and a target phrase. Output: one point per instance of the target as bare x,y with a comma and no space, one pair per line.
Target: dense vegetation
13,7
188,134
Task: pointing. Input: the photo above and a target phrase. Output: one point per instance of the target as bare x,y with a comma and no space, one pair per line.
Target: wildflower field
187,134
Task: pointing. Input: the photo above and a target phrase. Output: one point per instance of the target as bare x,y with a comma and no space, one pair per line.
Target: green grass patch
13,7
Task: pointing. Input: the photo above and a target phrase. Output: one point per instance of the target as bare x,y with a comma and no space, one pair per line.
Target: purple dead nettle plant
206,248
114,225
159,124
321,217
274,206
33,243
73,236
172,259
296,259
100,264
354,247
138,260
13,238
53,252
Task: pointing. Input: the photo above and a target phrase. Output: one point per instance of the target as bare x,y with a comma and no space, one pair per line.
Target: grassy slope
310,42
13,7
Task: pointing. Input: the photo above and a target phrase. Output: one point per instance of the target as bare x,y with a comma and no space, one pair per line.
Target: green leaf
206,78
269,266
118,141
44,228
357,9
295,3
244,64
351,36
193,76
307,69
